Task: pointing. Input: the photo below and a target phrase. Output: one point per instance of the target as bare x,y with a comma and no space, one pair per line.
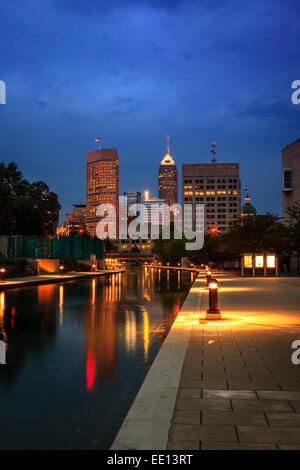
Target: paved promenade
16,282
238,387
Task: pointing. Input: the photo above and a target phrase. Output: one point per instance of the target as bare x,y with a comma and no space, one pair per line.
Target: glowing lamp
213,285
213,313
61,269
2,274
208,277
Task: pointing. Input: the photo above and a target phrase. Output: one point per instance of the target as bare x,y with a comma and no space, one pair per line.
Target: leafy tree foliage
169,250
26,208
252,234
255,234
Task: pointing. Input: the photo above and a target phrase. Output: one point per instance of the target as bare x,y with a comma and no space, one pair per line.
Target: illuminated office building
154,210
290,176
102,185
217,186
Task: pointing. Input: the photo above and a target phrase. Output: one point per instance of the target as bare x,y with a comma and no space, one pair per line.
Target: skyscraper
125,202
217,186
102,185
167,179
133,197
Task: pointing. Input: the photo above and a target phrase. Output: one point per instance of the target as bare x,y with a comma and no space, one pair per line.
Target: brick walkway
238,387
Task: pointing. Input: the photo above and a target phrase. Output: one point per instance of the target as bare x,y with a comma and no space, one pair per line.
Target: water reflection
80,351
61,304
3,336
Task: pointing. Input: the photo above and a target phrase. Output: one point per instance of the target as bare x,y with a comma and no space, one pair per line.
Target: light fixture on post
213,313
2,274
61,270
208,277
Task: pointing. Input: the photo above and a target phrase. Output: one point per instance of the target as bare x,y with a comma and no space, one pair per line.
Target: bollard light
61,269
93,267
2,274
208,277
213,313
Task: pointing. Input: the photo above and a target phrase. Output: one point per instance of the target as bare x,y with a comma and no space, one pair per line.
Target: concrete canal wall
147,423
16,283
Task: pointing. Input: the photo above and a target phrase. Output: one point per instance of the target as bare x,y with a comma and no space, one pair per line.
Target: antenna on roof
98,140
213,152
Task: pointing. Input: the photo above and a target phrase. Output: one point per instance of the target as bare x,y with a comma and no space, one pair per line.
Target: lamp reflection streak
146,334
61,305
2,311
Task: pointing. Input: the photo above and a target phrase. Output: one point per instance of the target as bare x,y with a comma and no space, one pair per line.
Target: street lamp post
61,270
208,277
213,313
2,274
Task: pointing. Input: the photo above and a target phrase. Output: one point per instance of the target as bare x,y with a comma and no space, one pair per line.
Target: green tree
254,234
26,208
169,251
209,252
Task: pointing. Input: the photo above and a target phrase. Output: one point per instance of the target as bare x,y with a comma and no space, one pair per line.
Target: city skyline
199,73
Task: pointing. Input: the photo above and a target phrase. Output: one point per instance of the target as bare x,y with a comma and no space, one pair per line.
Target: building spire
247,198
168,145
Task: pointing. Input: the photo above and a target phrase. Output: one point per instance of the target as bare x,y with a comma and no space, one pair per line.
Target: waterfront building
75,220
154,211
290,176
102,185
167,179
132,197
217,186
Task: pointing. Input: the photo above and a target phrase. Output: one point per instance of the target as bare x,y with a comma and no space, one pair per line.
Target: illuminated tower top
168,160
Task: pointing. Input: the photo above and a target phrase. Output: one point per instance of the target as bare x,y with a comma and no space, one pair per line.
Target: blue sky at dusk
132,72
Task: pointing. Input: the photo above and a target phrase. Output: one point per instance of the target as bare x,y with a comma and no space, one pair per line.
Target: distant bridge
129,256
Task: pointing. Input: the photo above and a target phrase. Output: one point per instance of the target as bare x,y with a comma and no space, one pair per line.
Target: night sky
132,72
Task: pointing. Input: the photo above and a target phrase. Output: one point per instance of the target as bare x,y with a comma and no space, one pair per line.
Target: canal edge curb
147,424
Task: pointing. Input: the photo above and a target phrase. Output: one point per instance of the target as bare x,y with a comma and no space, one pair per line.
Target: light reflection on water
77,354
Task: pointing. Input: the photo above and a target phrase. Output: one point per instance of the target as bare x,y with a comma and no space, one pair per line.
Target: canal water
77,354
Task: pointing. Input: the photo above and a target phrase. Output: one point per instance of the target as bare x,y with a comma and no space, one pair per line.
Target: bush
71,264
15,267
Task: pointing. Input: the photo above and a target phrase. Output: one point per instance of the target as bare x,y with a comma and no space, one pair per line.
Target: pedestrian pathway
238,387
